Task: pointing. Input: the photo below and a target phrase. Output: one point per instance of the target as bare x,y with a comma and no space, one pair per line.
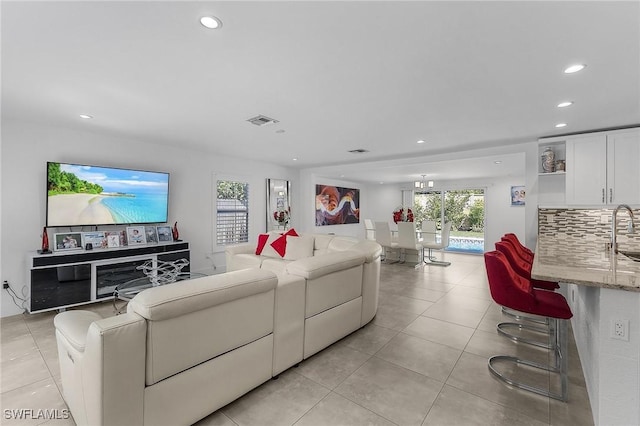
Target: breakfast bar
603,291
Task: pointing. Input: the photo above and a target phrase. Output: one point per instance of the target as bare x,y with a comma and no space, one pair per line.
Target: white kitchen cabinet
603,168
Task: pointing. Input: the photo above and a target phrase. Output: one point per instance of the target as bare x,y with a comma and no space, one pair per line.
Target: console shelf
64,279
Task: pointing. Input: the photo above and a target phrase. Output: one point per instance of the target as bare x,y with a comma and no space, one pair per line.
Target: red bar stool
521,266
522,249
513,291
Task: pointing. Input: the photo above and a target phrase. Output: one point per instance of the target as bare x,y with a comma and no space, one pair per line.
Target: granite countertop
585,263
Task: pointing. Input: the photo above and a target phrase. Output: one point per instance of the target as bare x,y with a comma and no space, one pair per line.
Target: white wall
26,148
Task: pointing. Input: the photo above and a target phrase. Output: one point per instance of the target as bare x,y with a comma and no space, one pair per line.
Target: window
232,212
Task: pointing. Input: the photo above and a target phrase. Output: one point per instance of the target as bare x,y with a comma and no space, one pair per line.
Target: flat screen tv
79,195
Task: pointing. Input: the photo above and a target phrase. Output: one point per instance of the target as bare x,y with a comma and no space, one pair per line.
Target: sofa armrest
231,251
317,266
370,249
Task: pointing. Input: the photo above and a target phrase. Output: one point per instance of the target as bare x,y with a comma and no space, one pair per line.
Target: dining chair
444,243
408,240
370,230
383,237
428,231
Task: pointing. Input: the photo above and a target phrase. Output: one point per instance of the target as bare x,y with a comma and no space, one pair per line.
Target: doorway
464,208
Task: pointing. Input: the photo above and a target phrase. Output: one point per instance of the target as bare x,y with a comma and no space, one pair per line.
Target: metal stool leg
561,365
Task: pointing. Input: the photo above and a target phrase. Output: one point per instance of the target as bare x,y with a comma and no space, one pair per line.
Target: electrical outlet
620,329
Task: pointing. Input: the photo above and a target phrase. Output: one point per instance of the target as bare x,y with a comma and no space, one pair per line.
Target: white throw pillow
299,247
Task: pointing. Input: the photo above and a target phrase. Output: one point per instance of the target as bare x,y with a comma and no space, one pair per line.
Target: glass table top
128,290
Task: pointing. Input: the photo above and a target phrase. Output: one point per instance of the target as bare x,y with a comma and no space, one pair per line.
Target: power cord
14,296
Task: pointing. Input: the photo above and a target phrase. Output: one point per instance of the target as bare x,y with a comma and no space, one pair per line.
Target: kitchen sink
633,255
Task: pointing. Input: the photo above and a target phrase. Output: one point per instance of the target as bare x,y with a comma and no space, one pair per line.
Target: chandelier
422,184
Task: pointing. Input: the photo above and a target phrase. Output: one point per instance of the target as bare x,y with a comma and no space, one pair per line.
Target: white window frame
218,246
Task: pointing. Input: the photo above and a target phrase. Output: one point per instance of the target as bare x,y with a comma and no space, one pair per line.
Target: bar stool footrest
521,385
503,326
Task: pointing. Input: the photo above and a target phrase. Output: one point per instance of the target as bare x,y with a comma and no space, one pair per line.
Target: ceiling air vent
261,120
358,151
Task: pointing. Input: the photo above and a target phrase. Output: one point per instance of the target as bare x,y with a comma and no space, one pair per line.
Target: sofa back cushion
190,322
342,243
321,243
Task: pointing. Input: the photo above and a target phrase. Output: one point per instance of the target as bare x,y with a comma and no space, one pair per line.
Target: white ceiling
338,75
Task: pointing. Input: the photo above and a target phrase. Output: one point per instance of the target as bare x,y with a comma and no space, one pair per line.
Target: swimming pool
466,244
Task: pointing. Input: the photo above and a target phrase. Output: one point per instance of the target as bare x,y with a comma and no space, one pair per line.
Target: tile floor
421,361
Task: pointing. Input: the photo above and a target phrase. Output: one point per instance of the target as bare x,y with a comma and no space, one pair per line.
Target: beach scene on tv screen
91,195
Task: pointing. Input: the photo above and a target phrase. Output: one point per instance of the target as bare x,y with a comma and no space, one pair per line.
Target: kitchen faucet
614,244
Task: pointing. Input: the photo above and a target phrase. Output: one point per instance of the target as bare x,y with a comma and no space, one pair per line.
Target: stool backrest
519,265
508,288
407,235
524,252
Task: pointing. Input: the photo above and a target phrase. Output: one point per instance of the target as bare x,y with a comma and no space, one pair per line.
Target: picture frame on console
136,235
97,239
164,234
67,241
115,239
151,234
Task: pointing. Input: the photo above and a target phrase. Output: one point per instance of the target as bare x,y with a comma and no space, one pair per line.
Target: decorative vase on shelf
176,234
45,242
548,160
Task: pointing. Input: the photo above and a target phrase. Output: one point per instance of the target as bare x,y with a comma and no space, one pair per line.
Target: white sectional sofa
186,349
339,286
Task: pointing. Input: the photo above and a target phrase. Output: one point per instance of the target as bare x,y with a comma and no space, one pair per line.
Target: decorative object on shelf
160,273
175,233
401,214
165,233
135,235
336,205
560,165
67,241
282,216
97,239
548,160
44,249
517,195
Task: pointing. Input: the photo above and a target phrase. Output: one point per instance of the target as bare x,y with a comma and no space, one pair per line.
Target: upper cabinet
603,168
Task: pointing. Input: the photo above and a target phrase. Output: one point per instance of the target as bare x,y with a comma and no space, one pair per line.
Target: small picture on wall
517,195
136,235
68,241
164,234
336,205
151,234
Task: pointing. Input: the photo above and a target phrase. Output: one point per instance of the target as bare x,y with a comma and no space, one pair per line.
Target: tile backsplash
584,224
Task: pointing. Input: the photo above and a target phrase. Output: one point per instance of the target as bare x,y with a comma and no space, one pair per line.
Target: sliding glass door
464,208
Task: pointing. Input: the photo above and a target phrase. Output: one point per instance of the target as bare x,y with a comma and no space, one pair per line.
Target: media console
71,278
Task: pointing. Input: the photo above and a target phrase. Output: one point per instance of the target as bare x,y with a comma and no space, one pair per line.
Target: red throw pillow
262,241
280,245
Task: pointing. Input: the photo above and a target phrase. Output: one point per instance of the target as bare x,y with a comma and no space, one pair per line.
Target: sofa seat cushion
73,325
277,266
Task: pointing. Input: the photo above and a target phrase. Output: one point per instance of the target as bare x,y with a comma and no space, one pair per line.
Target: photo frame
97,239
336,205
151,234
114,239
164,234
67,241
136,235
518,195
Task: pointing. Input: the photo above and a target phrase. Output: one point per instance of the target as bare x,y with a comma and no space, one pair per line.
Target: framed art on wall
517,195
336,205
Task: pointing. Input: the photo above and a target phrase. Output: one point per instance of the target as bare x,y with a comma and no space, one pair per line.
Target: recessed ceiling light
497,162
294,159
381,183
341,176
211,22
280,131
420,141
561,125
574,68
85,116
565,104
